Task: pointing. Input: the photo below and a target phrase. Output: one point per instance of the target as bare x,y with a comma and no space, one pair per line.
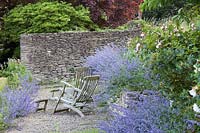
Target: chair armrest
67,84
74,89
43,100
55,90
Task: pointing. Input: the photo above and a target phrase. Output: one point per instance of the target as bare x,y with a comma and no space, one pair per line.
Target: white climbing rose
193,93
159,44
196,108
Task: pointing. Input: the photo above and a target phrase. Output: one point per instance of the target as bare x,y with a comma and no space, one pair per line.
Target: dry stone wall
51,55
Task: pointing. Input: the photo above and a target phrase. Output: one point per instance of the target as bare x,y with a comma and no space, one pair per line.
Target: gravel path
45,122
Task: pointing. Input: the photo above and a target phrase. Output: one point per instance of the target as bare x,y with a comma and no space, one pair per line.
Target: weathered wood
81,96
45,101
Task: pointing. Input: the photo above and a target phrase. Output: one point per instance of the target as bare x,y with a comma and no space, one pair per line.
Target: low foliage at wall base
13,70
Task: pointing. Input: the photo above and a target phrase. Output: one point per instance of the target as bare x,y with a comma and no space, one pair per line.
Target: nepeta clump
18,102
148,114
107,61
118,71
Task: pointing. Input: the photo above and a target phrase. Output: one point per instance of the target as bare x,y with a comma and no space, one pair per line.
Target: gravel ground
47,122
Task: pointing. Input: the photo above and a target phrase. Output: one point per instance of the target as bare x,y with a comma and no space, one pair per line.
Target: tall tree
112,13
155,4
6,5
160,9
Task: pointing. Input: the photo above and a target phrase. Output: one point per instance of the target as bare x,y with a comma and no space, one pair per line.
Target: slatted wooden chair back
88,86
80,96
80,73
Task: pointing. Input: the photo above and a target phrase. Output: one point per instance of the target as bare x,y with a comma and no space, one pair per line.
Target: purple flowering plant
106,61
146,114
18,102
118,71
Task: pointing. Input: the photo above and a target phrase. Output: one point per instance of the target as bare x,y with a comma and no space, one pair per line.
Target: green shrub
2,124
171,52
13,70
196,73
44,17
163,11
3,83
190,13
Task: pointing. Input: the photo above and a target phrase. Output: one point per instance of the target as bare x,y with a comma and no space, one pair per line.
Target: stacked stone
135,96
51,56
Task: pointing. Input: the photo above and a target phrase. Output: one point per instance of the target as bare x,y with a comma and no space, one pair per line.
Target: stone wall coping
80,32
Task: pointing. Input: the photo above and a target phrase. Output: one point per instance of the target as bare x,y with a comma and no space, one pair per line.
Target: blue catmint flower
18,102
150,113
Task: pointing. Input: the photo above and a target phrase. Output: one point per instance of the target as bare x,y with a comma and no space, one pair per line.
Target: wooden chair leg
60,110
45,105
41,101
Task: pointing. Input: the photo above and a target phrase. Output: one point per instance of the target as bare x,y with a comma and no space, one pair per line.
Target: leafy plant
163,12
171,52
2,123
13,70
8,48
196,73
41,17
153,4
46,17
3,83
182,10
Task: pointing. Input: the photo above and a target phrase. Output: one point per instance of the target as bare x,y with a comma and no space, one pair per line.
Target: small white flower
142,35
171,103
193,93
175,30
192,25
178,34
182,28
196,108
158,45
195,66
137,47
